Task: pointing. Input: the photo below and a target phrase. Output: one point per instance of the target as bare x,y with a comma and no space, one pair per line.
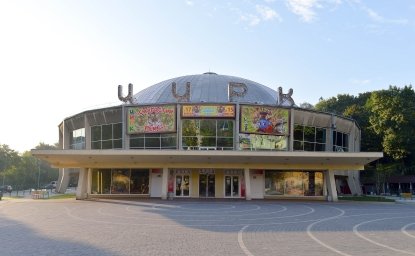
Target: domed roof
208,88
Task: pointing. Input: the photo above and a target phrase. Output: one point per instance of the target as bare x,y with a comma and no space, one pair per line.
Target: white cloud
304,8
376,17
267,13
251,19
263,13
361,81
189,3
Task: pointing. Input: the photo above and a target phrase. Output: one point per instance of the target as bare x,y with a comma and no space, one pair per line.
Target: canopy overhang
114,158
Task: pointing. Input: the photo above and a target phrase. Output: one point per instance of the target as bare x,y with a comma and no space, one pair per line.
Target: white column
89,181
247,184
331,186
164,179
82,184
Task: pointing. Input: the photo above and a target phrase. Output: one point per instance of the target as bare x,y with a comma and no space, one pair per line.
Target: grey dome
208,87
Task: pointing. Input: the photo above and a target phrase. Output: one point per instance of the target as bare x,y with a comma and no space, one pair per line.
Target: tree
306,105
393,118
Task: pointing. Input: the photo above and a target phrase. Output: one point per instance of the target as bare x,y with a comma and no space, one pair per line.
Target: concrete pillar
81,190
247,184
354,183
164,179
89,181
63,180
331,186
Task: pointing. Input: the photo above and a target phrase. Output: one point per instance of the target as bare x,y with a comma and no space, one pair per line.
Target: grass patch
366,198
62,196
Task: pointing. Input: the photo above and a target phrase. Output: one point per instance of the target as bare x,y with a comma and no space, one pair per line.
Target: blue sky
58,58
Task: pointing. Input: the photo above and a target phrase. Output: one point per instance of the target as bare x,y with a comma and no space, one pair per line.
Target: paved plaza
205,227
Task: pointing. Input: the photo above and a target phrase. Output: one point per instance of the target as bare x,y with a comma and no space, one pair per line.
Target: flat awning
114,158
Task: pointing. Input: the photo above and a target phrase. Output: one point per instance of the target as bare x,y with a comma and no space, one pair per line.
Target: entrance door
232,186
206,185
182,185
156,184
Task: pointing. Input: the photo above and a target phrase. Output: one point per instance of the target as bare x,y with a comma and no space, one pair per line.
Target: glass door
182,185
232,186
206,185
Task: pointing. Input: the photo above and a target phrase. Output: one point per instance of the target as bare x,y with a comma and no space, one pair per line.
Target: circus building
209,136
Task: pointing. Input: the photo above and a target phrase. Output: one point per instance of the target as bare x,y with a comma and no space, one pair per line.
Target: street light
38,174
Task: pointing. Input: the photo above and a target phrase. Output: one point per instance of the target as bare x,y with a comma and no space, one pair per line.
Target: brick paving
203,227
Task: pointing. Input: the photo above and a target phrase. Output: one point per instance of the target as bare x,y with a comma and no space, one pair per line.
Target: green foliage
392,116
23,171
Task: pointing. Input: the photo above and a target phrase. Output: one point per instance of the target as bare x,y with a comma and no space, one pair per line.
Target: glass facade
294,183
120,181
77,139
207,134
107,136
153,141
309,138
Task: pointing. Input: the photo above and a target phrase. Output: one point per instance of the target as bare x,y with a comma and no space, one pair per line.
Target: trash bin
170,196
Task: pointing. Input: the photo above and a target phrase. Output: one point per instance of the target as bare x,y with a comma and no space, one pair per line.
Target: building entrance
182,185
206,185
232,186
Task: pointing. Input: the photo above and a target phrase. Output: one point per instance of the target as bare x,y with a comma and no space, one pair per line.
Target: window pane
96,145
208,127
101,181
168,141
298,132
321,135
96,133
225,142
208,142
309,134
117,131
139,181
117,143
152,142
225,128
320,147
120,181
107,144
345,140
189,128
308,146
339,139
137,143
298,145
107,132
189,142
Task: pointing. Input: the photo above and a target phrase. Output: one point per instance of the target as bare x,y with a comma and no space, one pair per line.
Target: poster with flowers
264,120
151,119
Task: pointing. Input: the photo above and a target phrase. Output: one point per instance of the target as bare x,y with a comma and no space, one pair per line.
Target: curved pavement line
356,231
222,218
309,233
241,241
403,229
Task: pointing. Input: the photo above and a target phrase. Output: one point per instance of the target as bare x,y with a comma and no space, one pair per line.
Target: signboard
264,120
208,111
257,141
151,119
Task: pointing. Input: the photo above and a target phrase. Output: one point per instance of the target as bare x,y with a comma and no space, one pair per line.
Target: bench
406,196
39,194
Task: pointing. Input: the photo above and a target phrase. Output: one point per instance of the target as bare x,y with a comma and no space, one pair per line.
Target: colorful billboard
208,111
151,119
264,120
258,141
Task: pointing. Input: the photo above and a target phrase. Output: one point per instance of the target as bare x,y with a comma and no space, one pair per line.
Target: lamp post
38,174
